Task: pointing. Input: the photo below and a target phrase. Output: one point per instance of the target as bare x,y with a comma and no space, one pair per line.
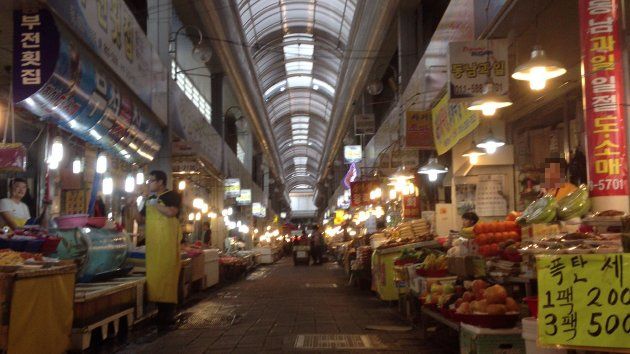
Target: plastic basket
18,245
532,304
72,221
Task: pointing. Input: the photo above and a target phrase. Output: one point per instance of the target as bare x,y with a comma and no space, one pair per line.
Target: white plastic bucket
530,335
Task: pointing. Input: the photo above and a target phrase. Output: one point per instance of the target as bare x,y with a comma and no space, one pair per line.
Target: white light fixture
204,208
181,185
489,102
53,164
198,216
230,211
212,215
473,154
432,169
392,194
490,144
376,193
101,163
108,185
401,175
283,215
56,150
197,203
130,184
538,69
140,178
243,229
191,217
77,165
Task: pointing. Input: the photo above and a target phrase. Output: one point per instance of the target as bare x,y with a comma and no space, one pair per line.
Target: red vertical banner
603,95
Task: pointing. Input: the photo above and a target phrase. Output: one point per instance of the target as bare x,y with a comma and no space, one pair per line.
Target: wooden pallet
82,337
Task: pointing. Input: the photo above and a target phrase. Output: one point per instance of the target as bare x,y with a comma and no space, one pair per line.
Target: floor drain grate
321,285
208,320
336,341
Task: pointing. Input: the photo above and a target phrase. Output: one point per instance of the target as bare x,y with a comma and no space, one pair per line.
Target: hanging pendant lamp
489,102
538,70
473,154
490,143
432,169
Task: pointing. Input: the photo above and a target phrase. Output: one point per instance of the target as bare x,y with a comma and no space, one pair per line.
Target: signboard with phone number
584,300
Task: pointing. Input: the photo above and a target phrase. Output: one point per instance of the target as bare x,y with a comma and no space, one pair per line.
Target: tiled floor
265,312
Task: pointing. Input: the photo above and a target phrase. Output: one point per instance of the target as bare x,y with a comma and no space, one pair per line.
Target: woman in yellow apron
163,235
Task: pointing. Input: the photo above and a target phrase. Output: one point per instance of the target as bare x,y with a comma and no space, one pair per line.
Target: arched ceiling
297,47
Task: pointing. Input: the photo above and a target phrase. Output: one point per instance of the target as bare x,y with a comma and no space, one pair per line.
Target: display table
383,274
267,255
211,267
38,306
99,305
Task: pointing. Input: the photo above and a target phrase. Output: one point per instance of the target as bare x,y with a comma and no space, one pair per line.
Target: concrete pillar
216,102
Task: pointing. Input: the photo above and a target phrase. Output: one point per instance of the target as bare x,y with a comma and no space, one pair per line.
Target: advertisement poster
451,122
411,206
490,196
110,29
584,300
259,210
603,90
418,130
471,62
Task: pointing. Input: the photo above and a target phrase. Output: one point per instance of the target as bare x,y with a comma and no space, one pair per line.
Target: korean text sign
471,62
584,300
603,97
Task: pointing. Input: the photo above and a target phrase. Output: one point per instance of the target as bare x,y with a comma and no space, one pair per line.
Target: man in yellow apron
163,236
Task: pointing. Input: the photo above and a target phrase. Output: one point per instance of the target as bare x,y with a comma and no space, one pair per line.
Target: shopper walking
163,234
317,245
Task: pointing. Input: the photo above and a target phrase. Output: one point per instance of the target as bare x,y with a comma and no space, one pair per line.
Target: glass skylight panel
301,67
297,126
300,160
273,88
299,141
323,85
300,132
299,81
298,46
299,119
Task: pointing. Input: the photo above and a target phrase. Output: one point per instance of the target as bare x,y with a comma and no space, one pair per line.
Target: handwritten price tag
584,300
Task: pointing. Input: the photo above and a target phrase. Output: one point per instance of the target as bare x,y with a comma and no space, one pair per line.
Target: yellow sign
584,300
451,122
340,217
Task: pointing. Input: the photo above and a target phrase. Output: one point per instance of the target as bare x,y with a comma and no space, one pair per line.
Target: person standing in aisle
162,234
207,233
317,245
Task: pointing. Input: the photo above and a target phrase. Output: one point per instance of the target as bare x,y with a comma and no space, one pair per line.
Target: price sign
584,300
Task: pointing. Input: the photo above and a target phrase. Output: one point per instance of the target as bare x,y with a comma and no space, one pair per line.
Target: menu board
584,300
490,196
74,201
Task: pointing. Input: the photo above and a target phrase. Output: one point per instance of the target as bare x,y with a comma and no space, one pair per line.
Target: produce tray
488,321
429,244
603,221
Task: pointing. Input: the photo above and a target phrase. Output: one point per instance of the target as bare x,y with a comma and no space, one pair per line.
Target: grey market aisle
286,309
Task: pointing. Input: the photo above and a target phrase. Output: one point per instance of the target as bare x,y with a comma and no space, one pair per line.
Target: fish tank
97,252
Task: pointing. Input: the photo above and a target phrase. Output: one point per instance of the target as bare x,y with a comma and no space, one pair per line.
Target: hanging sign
471,62
603,89
352,153
360,192
258,210
245,197
451,122
584,300
418,130
232,187
364,124
411,206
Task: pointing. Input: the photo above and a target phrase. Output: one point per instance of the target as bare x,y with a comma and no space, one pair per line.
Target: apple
479,284
468,296
463,308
